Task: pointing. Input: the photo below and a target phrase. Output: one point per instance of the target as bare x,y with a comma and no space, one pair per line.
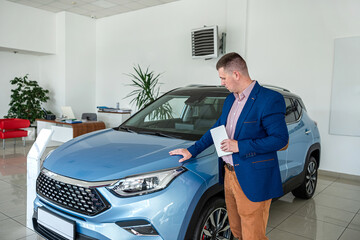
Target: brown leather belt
229,167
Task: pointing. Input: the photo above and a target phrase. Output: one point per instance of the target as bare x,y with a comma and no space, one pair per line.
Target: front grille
79,199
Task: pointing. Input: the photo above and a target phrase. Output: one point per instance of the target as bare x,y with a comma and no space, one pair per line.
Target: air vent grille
205,42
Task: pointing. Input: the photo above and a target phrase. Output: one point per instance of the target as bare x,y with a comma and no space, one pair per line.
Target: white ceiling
92,8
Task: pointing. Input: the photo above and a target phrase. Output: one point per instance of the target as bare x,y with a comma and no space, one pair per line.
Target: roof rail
275,87
202,85
195,85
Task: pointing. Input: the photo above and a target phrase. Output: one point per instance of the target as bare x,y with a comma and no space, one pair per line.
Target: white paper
219,134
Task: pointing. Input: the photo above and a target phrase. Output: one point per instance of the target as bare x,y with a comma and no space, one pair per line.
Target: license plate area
56,223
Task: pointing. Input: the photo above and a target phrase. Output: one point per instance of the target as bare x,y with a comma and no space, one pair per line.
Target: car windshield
185,114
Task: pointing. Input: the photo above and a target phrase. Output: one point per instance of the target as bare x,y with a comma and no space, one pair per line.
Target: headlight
145,183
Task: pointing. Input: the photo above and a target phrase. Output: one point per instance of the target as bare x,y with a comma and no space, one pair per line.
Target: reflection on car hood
109,154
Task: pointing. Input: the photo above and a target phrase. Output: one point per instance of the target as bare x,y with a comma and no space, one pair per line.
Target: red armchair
10,128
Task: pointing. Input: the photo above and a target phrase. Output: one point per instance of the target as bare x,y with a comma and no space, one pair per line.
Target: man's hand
229,145
181,151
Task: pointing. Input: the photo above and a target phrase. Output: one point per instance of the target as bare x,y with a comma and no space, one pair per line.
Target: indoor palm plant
147,89
26,99
146,84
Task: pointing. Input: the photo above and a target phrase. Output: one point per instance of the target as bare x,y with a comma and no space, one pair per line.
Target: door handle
307,132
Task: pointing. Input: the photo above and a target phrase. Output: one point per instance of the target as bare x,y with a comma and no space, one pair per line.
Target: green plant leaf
146,86
26,99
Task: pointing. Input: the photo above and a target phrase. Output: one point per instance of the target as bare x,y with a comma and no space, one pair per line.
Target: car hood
108,155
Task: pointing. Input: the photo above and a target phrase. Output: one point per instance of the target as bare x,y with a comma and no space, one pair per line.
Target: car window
297,109
169,110
187,116
290,111
301,104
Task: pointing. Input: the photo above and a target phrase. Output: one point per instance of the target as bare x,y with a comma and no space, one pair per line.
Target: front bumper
89,231
49,234
168,211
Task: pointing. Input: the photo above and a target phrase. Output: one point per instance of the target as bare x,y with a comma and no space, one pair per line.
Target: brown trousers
247,219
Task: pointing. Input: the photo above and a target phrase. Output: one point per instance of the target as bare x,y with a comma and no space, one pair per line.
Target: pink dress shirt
234,114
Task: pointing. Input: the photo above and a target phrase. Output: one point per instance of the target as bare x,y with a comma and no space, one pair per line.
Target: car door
299,137
282,155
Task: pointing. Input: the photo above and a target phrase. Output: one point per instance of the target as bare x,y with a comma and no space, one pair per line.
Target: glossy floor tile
337,202
32,237
10,229
355,223
340,191
311,228
276,217
350,234
326,214
288,203
333,212
277,234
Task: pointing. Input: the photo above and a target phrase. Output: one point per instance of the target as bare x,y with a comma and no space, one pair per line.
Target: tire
213,222
307,188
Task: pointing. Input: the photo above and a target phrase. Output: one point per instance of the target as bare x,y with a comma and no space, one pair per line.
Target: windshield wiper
160,134
127,129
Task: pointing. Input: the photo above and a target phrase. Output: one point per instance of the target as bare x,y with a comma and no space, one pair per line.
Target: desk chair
89,116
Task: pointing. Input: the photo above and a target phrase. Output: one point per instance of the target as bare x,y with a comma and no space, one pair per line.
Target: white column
33,169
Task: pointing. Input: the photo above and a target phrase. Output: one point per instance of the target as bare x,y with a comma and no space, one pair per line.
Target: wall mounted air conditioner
205,42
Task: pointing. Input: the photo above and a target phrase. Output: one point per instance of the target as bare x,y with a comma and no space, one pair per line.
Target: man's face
228,80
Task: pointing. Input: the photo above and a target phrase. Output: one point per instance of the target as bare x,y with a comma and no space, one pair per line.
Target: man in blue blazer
254,118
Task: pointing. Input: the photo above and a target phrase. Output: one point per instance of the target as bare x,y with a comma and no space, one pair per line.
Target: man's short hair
232,62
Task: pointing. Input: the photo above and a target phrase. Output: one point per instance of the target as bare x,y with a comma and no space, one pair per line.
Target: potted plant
146,84
26,99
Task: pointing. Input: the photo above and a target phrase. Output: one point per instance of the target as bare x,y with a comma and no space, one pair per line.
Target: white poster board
345,93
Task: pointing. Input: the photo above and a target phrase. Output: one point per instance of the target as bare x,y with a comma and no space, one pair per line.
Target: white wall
236,27
291,44
159,37
286,43
80,63
70,73
52,68
26,28
11,66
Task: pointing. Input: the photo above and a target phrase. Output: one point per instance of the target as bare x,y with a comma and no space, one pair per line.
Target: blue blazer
260,131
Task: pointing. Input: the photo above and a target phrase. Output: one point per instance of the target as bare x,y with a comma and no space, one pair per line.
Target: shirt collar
246,92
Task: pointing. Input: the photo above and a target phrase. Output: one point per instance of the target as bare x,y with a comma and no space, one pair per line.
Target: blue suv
122,183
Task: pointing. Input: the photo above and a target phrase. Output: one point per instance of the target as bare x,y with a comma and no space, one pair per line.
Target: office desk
63,132
113,119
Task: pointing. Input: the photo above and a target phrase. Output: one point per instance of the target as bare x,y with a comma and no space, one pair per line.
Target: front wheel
307,189
213,223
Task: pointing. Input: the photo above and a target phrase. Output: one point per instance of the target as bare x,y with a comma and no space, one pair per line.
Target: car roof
221,89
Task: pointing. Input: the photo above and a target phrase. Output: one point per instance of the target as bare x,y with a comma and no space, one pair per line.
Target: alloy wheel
216,226
311,177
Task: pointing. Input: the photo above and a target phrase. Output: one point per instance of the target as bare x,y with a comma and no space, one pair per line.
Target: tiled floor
333,213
